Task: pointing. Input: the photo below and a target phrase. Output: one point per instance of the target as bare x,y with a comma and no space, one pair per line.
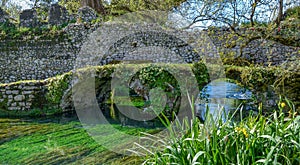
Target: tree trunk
280,12
254,5
97,5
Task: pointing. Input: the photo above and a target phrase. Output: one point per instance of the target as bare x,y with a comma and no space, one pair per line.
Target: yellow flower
242,130
282,105
292,113
245,132
237,129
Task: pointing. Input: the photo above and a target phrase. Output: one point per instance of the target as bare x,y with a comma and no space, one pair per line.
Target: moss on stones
259,79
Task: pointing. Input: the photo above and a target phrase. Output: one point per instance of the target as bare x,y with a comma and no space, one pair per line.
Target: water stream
222,97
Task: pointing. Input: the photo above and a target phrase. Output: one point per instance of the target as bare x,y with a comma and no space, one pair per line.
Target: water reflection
222,97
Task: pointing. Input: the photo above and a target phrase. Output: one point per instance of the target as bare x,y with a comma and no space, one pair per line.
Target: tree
97,5
3,3
119,7
12,8
262,16
71,5
280,13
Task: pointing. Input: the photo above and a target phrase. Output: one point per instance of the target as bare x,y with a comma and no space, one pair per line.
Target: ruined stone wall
260,51
35,60
57,92
41,59
22,96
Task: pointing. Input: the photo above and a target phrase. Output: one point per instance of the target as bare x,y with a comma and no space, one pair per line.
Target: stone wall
58,93
41,59
259,51
35,60
22,96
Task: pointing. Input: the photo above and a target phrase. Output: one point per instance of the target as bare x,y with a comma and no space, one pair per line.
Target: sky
23,3
26,4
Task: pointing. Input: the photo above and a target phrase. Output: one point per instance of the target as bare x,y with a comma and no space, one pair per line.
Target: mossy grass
38,142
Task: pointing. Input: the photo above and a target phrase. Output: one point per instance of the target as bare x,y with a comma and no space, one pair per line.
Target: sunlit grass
28,142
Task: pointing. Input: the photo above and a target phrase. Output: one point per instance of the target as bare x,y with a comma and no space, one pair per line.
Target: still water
219,98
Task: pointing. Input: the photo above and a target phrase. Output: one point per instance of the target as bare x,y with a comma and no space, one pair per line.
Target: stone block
58,15
28,88
19,98
22,104
31,96
87,14
27,92
15,92
14,108
28,18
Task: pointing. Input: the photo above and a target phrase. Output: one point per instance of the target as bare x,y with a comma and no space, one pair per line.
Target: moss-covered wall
268,83
258,51
56,92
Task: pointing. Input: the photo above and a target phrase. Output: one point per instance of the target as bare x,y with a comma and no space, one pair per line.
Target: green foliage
71,5
258,79
293,12
12,32
256,139
57,86
3,104
155,76
32,113
7,28
119,7
256,23
201,74
98,20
